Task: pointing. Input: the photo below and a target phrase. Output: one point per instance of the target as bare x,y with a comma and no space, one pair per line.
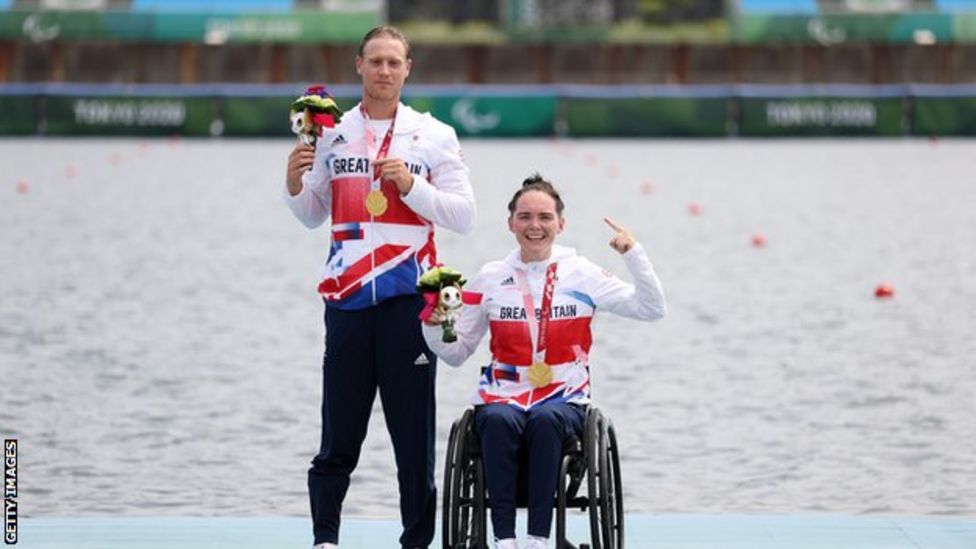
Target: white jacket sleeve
643,300
312,204
447,199
471,326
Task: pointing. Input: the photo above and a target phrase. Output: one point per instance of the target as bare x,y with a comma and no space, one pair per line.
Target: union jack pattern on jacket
372,258
581,290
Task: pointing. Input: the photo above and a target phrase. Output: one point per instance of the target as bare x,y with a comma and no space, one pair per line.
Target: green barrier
820,116
303,27
119,115
316,26
43,26
677,117
841,28
493,116
263,116
18,115
944,116
964,27
256,116
513,116
484,116
210,28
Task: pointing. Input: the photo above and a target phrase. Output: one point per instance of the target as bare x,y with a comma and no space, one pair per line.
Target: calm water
160,337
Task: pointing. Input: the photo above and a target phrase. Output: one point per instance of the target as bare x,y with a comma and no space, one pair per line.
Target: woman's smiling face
535,223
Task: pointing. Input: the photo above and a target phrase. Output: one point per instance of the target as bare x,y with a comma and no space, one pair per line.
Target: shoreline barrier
251,110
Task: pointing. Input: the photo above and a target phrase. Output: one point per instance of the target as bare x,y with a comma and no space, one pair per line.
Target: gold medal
540,374
376,202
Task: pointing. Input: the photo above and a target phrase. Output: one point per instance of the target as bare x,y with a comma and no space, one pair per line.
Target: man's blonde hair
385,30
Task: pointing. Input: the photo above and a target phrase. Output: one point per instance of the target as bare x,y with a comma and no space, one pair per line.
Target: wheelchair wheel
612,497
591,450
603,482
563,488
464,517
448,510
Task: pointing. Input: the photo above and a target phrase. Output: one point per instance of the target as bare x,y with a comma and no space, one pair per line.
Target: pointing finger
613,225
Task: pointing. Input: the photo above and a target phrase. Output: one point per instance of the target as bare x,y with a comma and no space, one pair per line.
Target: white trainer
507,543
325,546
535,542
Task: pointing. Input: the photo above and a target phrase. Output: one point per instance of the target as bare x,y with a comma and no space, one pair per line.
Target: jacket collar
559,253
407,119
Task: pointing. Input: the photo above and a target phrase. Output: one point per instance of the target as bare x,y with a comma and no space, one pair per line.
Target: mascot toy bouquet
441,288
314,110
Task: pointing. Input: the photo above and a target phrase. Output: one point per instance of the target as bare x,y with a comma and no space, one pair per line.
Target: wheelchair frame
592,462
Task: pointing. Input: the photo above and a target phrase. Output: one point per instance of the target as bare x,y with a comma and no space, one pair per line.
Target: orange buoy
884,291
694,208
115,159
758,240
613,171
647,188
23,187
69,171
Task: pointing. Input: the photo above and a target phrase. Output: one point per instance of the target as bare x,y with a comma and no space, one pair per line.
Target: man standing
386,174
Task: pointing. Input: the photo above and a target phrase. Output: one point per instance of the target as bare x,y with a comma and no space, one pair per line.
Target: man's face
384,67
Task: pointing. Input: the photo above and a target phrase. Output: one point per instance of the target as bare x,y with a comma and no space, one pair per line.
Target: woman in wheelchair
538,303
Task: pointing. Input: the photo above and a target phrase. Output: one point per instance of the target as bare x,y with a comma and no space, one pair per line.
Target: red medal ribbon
384,146
546,308
540,326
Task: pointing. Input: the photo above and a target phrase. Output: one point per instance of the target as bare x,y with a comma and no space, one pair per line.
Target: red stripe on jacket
359,269
511,344
524,399
349,203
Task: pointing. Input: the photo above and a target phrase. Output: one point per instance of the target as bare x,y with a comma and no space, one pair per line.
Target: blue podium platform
657,531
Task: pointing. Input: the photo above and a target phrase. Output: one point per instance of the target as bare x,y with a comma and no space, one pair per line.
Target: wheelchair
591,464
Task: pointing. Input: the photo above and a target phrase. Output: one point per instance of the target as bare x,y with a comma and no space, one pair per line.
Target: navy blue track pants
380,347
502,428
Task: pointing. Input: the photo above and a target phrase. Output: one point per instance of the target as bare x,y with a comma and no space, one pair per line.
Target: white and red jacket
372,258
581,289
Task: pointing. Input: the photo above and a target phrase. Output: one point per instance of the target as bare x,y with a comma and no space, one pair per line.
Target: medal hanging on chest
376,201
540,373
